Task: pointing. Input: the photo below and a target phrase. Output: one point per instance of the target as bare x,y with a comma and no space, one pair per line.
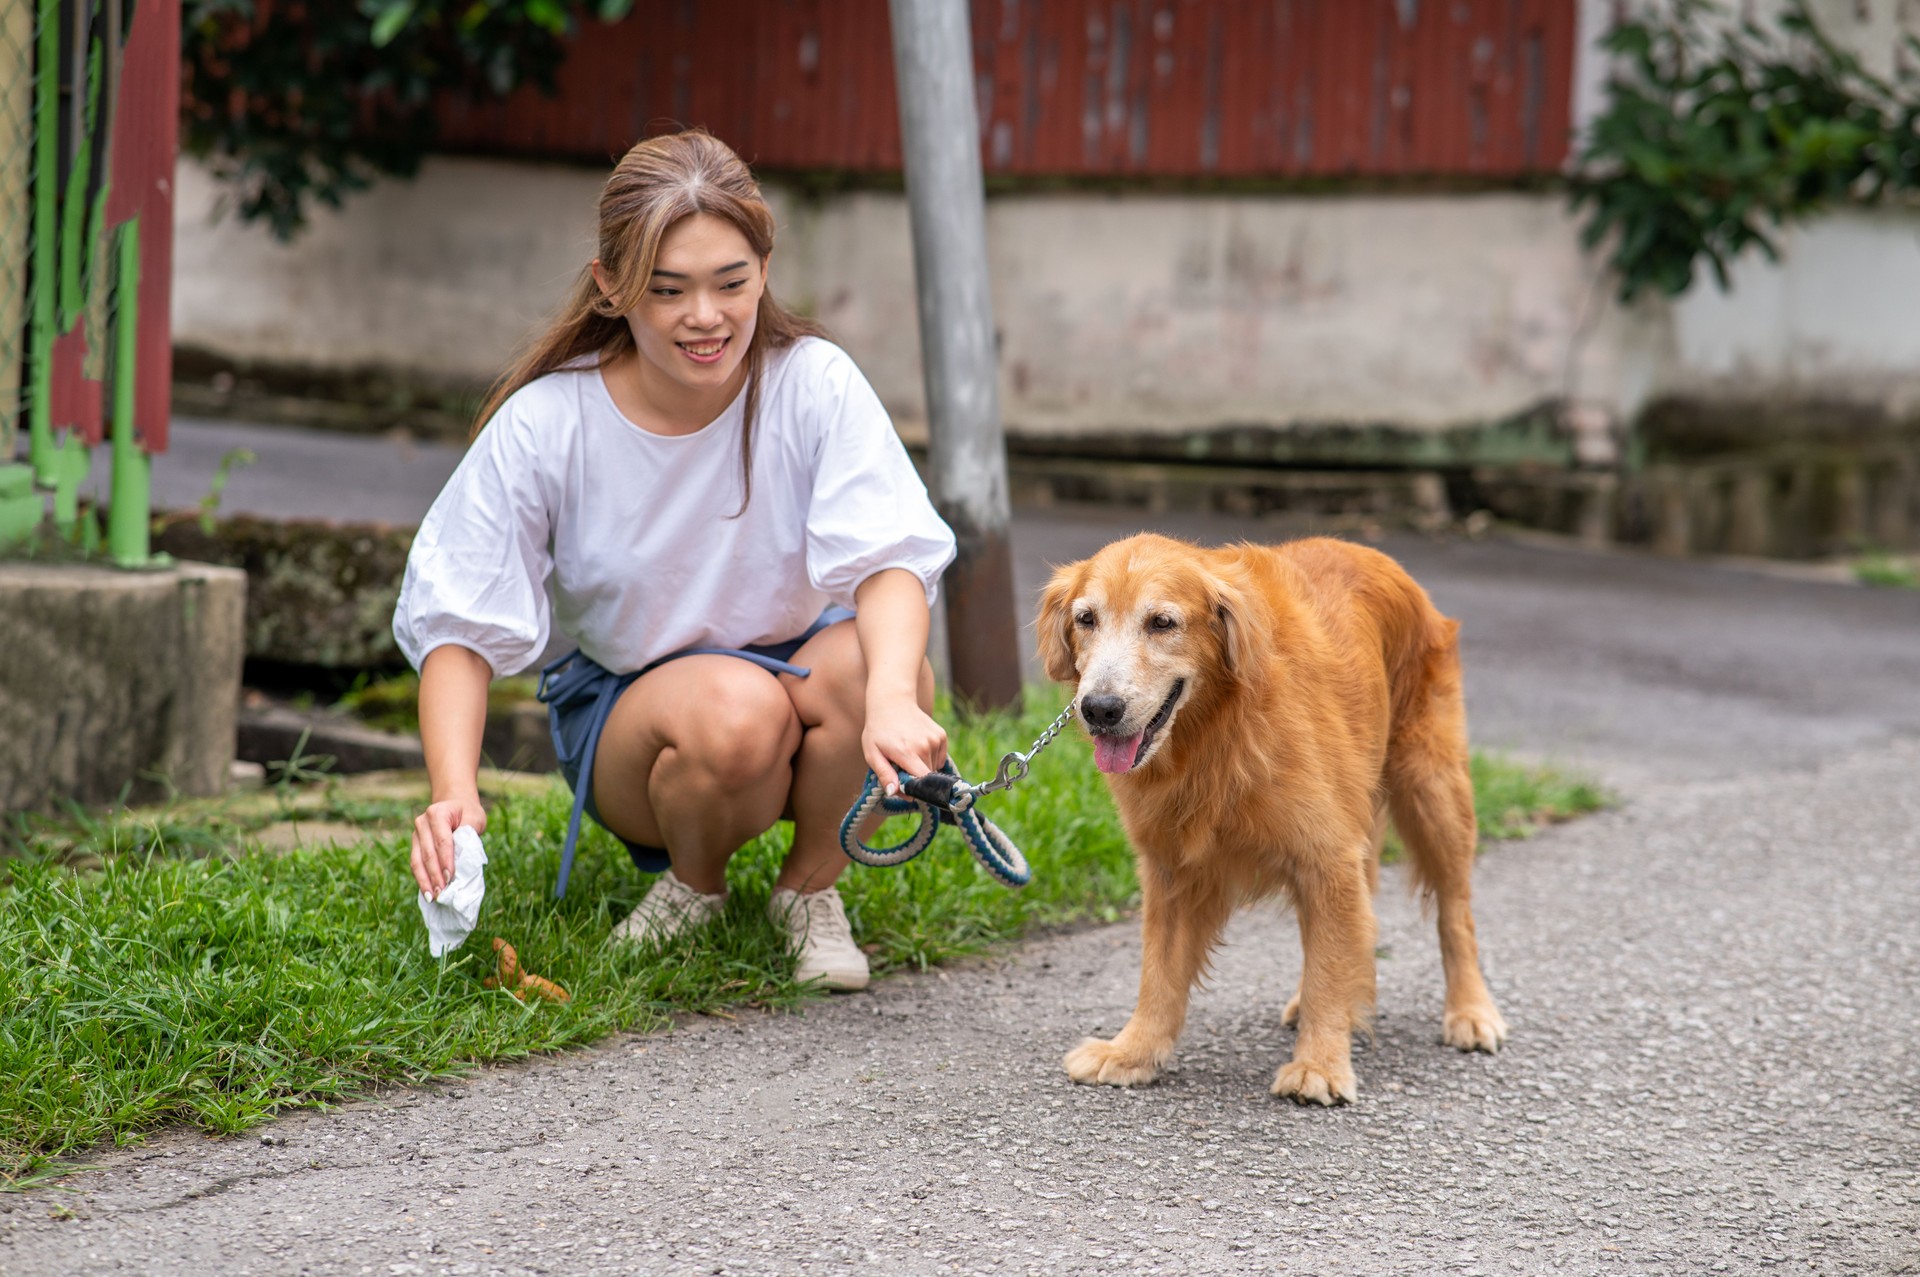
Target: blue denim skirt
579,694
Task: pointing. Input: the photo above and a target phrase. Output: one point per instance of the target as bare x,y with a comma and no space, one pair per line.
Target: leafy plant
231,460
1718,133
301,769
293,103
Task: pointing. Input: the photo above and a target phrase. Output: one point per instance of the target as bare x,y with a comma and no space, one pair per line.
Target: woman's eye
666,292
1084,620
1161,623
734,285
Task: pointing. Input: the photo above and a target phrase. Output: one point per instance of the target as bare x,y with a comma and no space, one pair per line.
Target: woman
701,491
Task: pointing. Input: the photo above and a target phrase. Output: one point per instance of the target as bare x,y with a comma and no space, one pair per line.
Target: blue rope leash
943,798
991,846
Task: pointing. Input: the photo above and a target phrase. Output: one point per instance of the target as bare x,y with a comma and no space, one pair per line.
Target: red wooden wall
1079,88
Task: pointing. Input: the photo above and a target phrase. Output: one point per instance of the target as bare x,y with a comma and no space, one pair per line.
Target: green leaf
1713,129
391,18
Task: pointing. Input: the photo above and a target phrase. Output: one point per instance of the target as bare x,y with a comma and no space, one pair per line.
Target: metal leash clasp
1014,765
945,789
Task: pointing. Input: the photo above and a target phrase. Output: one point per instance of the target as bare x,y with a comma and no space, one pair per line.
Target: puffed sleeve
477,573
868,510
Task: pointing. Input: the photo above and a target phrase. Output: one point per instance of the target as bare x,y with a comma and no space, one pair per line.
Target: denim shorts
579,694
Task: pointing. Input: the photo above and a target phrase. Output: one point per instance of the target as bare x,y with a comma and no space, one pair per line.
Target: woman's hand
433,839
899,734
892,625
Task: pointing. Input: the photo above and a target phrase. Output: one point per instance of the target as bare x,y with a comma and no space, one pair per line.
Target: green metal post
76,250
128,516
46,240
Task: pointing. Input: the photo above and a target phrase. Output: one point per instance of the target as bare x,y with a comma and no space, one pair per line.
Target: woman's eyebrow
674,274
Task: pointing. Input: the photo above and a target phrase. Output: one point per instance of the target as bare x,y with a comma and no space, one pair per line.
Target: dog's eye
1084,619
1162,622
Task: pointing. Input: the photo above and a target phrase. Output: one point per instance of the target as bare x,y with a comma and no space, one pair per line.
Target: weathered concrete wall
1118,314
318,593
117,682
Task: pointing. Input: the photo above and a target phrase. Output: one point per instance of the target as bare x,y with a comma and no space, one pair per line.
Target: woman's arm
453,717
892,623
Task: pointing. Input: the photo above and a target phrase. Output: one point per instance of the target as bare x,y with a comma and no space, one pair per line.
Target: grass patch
162,967
1516,800
1888,571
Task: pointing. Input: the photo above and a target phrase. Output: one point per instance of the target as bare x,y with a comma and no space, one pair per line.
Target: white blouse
565,515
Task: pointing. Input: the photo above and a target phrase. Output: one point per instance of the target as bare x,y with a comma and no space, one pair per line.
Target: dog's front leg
1180,924
1336,982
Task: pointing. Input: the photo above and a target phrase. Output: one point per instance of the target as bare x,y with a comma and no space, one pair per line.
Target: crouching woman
698,490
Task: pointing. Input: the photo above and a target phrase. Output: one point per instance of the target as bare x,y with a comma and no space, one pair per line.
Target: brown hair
655,184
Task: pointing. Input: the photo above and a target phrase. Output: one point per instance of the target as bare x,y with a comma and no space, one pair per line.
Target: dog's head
1147,628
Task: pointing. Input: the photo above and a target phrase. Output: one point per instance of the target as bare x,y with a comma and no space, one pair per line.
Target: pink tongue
1114,754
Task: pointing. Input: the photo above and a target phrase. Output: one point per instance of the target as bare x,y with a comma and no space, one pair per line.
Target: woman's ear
600,278
1053,627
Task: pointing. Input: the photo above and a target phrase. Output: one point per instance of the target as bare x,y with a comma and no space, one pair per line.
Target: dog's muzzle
1114,753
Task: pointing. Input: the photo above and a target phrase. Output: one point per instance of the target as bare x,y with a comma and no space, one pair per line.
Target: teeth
706,348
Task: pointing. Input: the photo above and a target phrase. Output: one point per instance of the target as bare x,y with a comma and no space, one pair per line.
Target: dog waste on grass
518,982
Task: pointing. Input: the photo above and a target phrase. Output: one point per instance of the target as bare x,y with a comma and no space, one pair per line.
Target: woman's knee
836,688
743,727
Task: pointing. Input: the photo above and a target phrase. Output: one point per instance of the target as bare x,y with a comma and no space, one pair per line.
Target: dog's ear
1053,627
1242,625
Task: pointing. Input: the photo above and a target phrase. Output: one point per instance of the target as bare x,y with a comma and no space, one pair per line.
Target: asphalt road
1714,1063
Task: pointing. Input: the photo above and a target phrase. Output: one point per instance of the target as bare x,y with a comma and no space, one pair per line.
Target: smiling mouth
705,352
1117,754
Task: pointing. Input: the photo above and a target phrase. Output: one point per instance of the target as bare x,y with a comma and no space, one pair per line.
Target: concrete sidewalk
1713,1067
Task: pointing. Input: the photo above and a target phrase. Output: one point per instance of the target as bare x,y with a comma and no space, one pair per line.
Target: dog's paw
1307,1083
1100,1063
1476,1028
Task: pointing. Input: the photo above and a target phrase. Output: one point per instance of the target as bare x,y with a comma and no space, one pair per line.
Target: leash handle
940,789
990,845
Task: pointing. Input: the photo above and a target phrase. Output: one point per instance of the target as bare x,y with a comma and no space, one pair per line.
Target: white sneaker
670,909
818,934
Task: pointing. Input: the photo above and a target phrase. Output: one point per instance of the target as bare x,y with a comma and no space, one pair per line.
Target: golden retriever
1259,711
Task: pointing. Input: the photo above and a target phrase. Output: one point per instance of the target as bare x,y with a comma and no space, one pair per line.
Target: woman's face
696,318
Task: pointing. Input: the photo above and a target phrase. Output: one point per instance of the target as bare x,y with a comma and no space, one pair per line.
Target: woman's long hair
658,182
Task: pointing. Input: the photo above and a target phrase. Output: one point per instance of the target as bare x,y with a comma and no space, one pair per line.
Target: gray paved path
1714,1066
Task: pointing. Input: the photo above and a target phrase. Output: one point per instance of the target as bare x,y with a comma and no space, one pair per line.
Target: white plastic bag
451,918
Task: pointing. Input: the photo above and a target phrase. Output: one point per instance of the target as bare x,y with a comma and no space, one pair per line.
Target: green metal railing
70,316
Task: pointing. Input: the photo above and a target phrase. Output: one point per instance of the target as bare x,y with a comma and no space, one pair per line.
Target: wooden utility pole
940,145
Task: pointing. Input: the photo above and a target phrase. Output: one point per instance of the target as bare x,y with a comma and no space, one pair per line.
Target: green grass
1889,571
164,971
1513,800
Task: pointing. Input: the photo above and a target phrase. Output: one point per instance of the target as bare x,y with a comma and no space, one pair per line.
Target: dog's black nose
1101,712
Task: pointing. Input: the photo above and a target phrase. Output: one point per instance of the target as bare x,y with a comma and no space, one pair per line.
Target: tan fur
1322,693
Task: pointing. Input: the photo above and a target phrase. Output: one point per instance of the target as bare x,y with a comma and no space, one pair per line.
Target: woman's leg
831,706
698,757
